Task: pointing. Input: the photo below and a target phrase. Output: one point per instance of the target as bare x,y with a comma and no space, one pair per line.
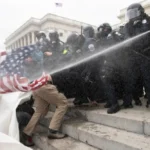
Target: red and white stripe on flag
13,83
16,83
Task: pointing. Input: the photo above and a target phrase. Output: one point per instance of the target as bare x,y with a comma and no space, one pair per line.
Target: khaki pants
46,95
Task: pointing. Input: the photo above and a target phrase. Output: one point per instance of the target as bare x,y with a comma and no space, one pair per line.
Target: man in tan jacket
43,97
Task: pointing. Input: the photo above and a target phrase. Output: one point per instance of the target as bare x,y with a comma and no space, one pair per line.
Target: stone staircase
93,129
36,148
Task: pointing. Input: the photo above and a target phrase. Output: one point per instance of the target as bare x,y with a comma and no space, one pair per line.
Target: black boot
80,101
77,102
125,106
113,109
26,139
107,105
53,134
145,96
147,104
138,102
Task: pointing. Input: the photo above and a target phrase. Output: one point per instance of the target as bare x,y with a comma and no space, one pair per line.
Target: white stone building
25,35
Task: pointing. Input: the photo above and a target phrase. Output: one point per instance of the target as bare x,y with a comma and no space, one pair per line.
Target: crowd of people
123,73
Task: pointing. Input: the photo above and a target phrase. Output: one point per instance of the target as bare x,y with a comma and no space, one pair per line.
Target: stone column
17,44
25,42
21,40
28,38
33,38
13,45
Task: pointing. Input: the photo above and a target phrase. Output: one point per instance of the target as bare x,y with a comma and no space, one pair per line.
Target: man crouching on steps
43,97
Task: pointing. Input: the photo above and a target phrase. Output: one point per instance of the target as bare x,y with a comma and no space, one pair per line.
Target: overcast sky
13,13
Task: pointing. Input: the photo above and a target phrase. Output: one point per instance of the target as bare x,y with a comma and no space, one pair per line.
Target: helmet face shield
53,35
133,13
89,32
100,29
103,32
40,35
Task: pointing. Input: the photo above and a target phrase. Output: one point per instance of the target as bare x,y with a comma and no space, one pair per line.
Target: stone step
133,120
105,138
36,148
62,144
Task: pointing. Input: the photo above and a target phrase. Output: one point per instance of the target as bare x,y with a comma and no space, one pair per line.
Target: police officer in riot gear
90,42
56,47
110,72
139,22
89,32
69,81
103,31
56,44
44,46
40,35
42,42
73,46
35,61
92,82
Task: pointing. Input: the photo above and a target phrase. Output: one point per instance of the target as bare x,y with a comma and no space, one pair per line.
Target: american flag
16,83
13,63
12,72
58,4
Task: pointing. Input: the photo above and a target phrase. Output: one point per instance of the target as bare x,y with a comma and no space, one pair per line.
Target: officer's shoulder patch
60,43
78,51
144,21
117,33
109,35
91,47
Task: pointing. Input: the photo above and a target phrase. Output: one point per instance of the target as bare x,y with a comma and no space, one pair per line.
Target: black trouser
111,92
127,79
75,84
143,72
122,80
138,89
71,84
110,88
23,119
94,90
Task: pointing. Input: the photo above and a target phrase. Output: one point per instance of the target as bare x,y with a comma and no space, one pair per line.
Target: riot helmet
54,36
103,30
134,11
40,34
88,32
75,41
